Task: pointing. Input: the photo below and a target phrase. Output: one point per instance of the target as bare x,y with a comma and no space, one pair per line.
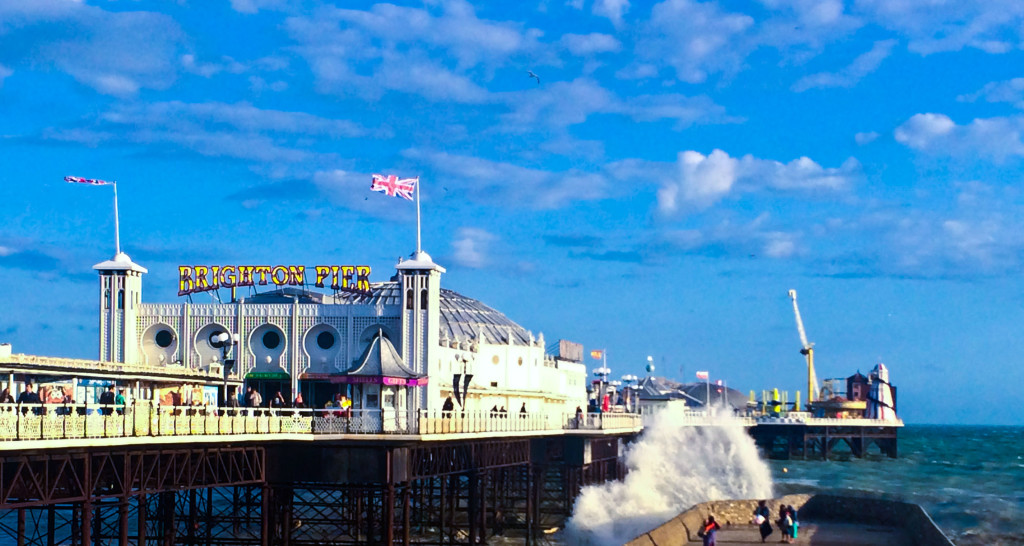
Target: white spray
671,467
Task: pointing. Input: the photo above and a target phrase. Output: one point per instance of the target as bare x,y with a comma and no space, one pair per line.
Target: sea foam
671,467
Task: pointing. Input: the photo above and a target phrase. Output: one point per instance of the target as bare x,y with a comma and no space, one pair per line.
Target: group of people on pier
61,397
786,521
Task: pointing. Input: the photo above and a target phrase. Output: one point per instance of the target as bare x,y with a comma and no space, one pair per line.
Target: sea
970,479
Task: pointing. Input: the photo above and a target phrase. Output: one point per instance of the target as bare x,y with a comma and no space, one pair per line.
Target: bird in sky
534,76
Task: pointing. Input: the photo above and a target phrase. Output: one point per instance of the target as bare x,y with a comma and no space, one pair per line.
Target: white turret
120,298
421,316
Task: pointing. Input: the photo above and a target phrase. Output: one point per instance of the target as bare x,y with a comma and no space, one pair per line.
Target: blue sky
679,167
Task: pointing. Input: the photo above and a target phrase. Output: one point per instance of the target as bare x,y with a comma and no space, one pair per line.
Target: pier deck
826,533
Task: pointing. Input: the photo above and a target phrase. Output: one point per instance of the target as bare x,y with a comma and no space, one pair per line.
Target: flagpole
418,245
117,225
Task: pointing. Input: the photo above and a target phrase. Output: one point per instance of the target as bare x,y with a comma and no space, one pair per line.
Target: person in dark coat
762,515
446,409
278,401
785,523
107,398
29,397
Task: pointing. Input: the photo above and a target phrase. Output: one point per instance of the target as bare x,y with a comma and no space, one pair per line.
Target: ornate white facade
299,341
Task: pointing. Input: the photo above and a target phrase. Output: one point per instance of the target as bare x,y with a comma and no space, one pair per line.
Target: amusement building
401,344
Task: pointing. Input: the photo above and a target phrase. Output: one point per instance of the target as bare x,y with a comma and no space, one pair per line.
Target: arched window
423,299
408,299
120,299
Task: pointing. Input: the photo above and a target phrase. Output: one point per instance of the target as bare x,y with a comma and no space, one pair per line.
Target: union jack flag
393,186
92,181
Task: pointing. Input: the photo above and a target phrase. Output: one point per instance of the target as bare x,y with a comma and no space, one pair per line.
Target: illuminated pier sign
193,279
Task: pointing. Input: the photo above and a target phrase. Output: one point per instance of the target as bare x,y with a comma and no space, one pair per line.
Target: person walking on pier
299,404
796,523
253,399
278,401
709,531
522,411
28,397
107,399
785,524
761,516
120,400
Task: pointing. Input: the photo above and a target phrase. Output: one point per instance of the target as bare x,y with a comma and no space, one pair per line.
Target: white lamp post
224,341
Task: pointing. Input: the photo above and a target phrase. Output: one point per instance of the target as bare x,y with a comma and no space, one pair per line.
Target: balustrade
55,422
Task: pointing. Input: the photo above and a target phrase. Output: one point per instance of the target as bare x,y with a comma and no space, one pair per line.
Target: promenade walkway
827,533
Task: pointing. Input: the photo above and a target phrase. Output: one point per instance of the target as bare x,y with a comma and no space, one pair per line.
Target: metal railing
107,367
23,422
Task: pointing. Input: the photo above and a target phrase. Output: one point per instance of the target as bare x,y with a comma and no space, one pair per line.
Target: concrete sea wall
918,526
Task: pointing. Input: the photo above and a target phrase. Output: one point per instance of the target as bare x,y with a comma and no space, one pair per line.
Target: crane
807,350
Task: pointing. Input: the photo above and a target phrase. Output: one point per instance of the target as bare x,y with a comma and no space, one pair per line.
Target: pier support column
471,504
143,509
122,526
389,512
21,527
167,518
51,525
406,509
265,516
87,522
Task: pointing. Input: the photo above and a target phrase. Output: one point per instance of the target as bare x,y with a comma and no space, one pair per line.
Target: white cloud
695,38
361,52
805,26
996,138
349,190
562,104
863,65
241,116
727,238
704,180
115,53
239,131
933,26
1009,91
210,69
505,184
588,44
254,6
471,248
612,9
921,130
865,138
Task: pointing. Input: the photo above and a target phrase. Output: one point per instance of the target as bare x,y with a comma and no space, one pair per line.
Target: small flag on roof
597,354
702,375
394,186
91,181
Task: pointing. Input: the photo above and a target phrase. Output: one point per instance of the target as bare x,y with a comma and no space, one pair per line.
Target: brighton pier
419,416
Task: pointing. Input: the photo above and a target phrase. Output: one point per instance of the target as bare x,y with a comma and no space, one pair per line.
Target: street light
224,341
